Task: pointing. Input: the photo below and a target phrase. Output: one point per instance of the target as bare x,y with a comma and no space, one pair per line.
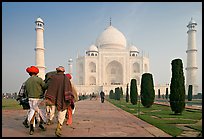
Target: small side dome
93,48
133,49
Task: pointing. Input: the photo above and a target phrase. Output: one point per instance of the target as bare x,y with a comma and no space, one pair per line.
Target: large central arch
114,73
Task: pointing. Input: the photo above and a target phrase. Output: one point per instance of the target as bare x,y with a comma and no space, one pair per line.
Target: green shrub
177,87
121,92
167,93
117,93
147,90
111,94
159,95
127,94
190,89
133,91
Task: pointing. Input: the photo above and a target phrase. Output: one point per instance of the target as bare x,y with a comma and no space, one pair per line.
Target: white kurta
37,105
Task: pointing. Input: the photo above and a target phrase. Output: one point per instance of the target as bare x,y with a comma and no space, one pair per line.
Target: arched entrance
114,73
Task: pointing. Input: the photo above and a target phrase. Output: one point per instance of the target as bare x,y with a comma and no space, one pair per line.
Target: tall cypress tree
117,93
147,90
121,92
133,91
167,93
127,94
111,94
177,87
159,95
190,90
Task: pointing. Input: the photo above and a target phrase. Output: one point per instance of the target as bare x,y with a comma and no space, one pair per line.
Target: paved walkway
91,119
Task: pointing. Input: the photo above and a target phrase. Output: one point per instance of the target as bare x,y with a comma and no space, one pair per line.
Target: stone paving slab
91,119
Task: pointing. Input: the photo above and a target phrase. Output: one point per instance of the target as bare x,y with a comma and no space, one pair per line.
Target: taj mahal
109,63
112,62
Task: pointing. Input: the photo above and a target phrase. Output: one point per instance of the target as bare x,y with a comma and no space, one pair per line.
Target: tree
127,94
147,90
177,87
159,95
111,94
121,92
167,93
133,91
117,93
190,91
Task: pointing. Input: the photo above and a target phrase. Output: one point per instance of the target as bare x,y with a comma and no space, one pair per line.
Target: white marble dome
111,38
93,48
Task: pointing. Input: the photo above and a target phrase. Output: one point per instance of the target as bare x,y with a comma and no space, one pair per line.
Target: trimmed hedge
177,87
147,90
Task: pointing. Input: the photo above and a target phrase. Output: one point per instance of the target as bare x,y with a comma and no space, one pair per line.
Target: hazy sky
156,28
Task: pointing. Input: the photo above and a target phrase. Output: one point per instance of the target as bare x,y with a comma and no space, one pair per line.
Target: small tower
70,61
191,69
40,50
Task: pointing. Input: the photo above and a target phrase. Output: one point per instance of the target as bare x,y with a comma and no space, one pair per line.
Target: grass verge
10,104
162,117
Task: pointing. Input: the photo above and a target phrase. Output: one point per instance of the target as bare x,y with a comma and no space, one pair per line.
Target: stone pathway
91,119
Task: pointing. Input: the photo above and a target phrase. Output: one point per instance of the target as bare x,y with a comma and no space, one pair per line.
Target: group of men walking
56,92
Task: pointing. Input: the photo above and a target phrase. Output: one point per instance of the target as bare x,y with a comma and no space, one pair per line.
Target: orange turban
69,76
32,69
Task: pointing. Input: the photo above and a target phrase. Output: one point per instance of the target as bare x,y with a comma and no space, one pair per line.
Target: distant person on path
59,93
34,86
102,94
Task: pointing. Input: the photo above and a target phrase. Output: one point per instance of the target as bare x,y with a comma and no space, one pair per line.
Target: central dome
111,38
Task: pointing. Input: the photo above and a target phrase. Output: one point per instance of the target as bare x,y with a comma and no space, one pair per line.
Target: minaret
70,66
191,69
39,50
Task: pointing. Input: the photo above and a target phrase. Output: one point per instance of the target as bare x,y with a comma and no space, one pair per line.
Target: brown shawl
56,88
74,92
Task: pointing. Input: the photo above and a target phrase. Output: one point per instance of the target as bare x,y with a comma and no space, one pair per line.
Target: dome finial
110,21
191,18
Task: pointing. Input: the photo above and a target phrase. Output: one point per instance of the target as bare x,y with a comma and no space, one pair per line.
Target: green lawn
162,117
10,104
